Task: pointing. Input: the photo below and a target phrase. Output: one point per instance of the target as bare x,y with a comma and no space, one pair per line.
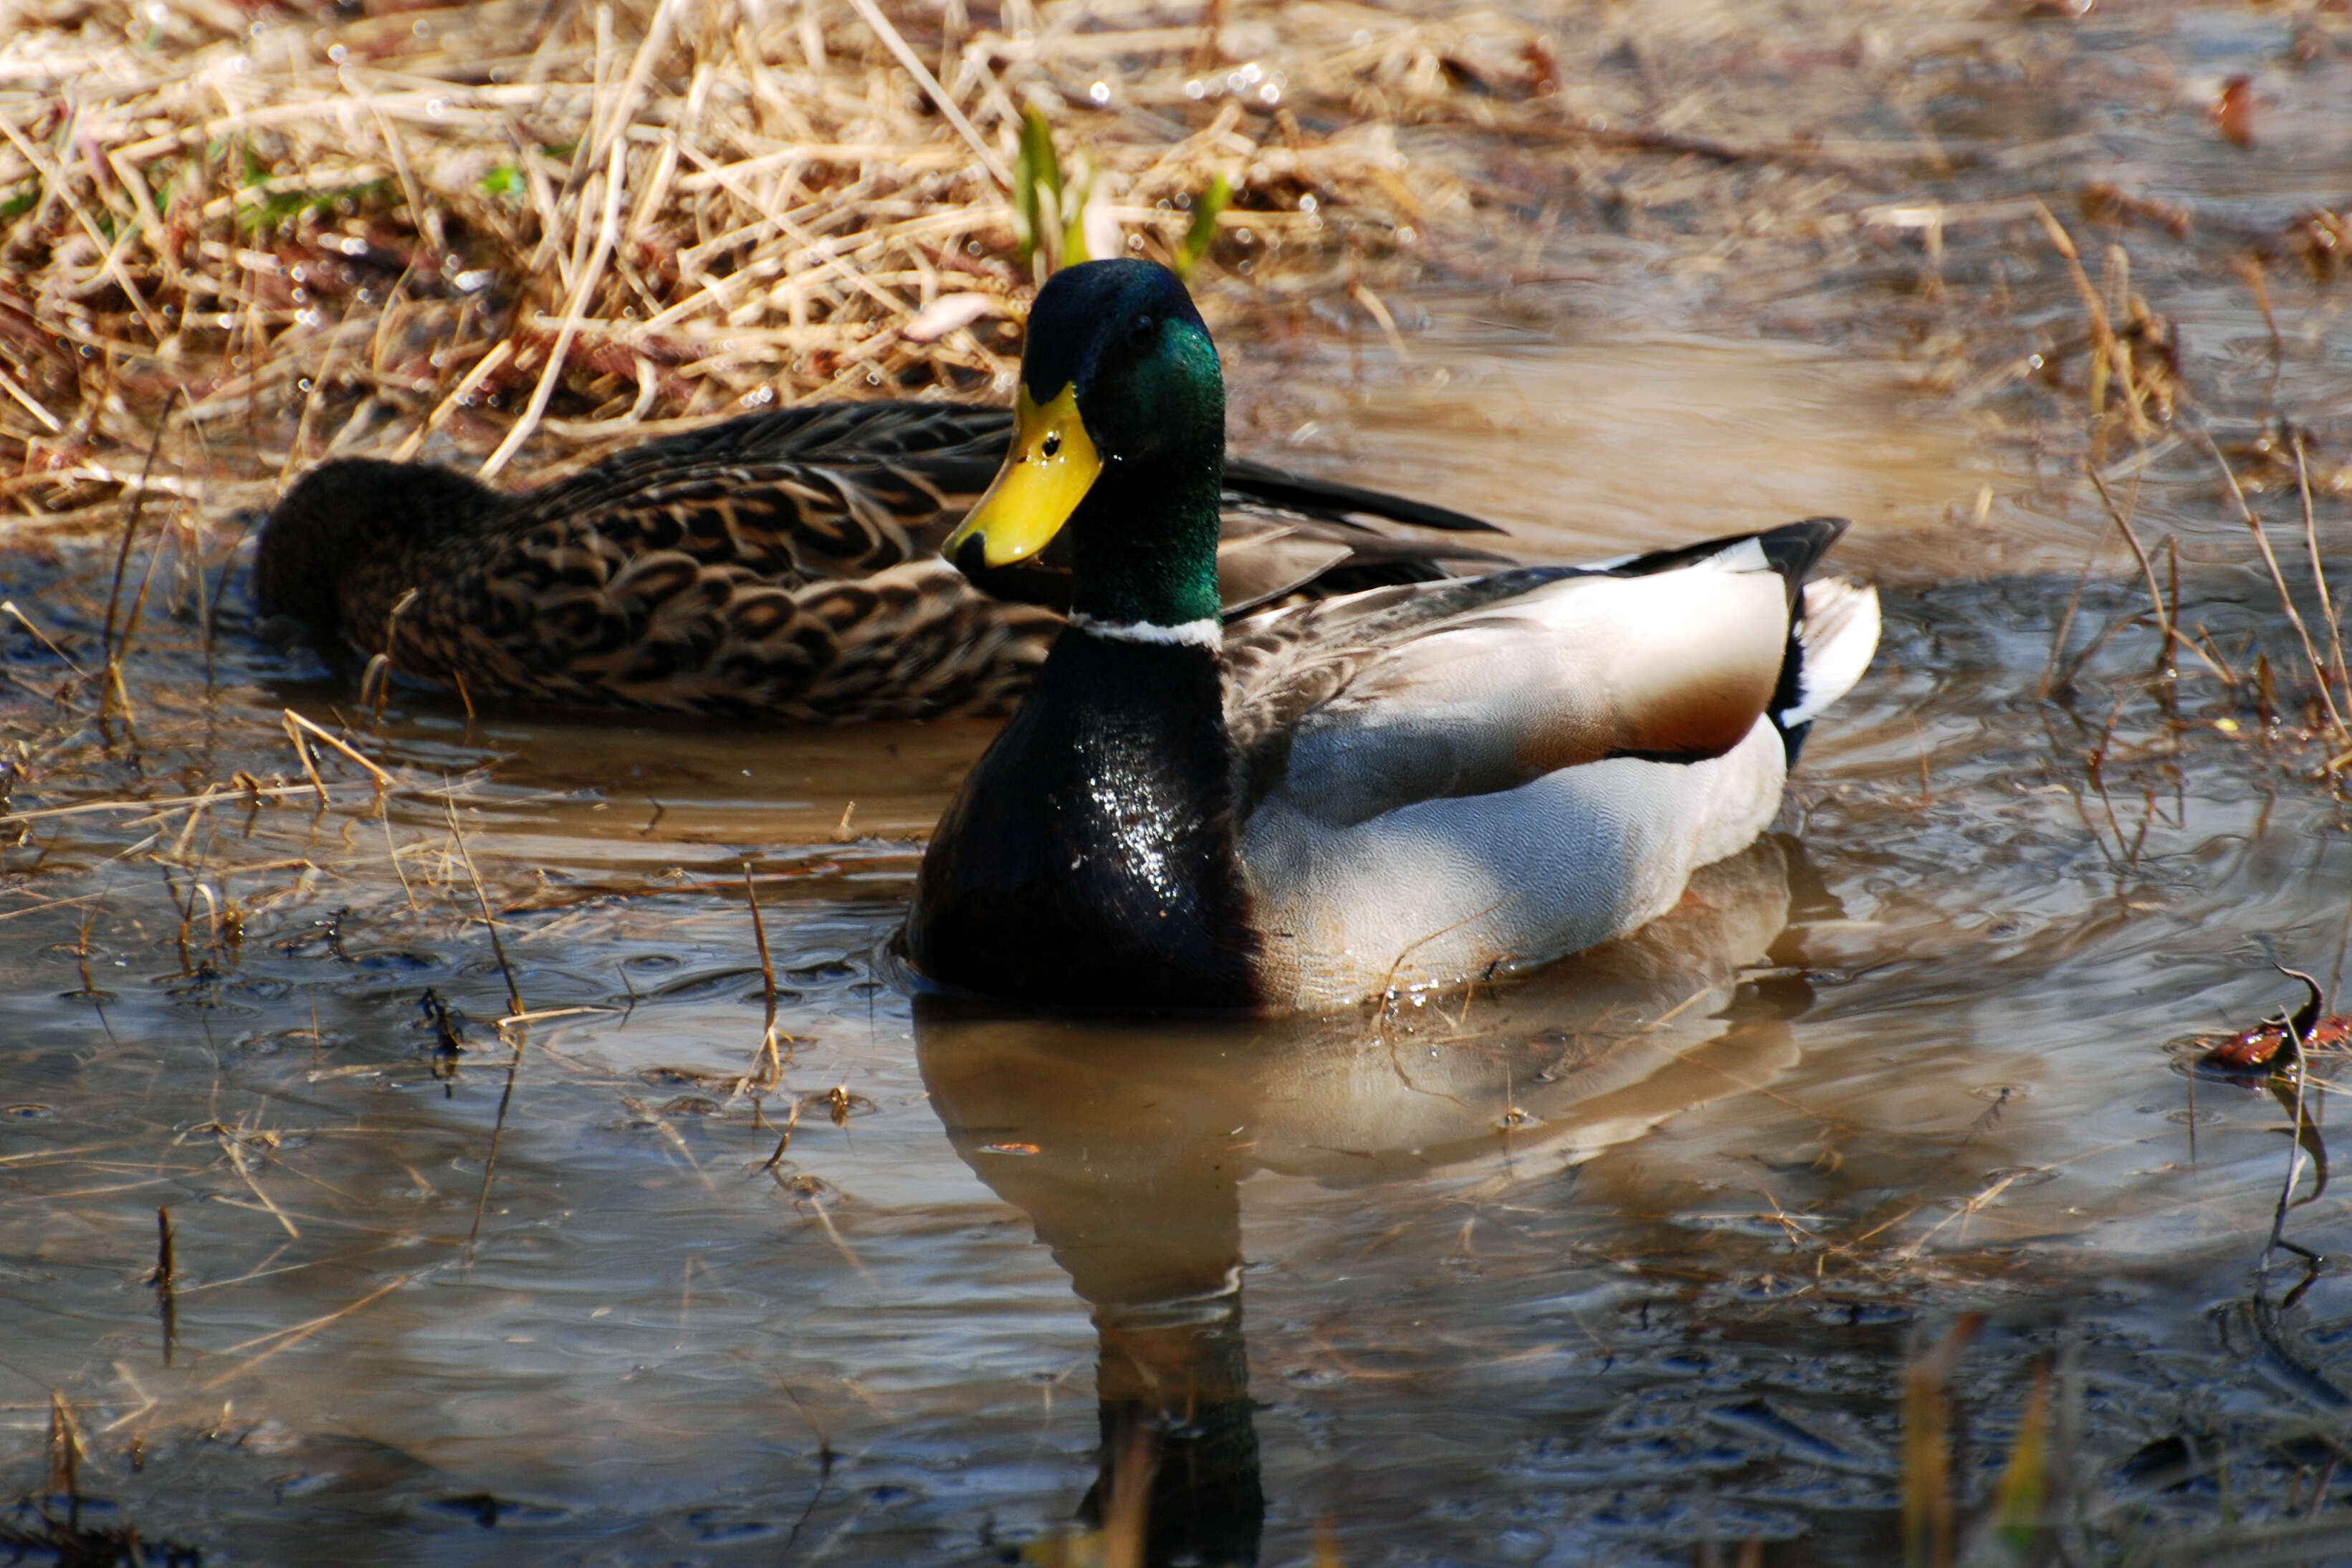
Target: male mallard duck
1411,785
780,565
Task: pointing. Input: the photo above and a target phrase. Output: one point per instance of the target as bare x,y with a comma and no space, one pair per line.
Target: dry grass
2138,409
512,235
514,230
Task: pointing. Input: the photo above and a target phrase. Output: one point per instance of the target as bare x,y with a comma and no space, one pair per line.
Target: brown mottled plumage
781,564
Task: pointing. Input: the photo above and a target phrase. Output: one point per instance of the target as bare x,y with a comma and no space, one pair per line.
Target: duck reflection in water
1126,1142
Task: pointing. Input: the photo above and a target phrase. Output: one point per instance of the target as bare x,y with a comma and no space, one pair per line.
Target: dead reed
516,233
2138,408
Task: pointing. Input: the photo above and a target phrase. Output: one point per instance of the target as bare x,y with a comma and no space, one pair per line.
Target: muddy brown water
1606,1266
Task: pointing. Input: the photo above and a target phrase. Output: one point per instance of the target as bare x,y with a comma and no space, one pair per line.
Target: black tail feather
1330,499
1793,550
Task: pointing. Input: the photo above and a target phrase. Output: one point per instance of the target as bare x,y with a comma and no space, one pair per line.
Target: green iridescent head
1119,439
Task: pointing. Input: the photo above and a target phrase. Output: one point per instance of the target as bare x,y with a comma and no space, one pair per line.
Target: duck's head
351,517
1118,434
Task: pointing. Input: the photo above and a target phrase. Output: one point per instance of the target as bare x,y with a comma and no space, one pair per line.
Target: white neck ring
1206,632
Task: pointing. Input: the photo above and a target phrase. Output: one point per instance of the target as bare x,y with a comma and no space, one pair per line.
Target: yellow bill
1052,465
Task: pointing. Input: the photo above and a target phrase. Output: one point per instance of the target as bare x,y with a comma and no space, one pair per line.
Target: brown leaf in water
2259,1049
2255,1049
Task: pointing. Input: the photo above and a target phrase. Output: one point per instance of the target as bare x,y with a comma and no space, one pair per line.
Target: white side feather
1838,636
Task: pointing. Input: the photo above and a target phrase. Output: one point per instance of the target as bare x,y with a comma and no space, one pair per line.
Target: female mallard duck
781,564
1411,785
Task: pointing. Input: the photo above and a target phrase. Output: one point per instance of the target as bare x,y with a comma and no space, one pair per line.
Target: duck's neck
1144,548
1090,856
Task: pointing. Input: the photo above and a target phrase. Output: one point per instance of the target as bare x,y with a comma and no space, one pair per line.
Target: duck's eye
1140,330
1052,444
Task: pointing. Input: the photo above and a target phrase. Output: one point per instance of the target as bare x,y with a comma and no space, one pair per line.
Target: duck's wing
781,562
839,491
1265,552
1283,533
1307,495
1352,707
795,496
912,641
1286,532
915,640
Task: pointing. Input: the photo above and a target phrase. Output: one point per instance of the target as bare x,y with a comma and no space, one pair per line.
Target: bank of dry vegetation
511,229
504,232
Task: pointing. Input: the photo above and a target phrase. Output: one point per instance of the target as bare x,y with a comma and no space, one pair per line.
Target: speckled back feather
779,565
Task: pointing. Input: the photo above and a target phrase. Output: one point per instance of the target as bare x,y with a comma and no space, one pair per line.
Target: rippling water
1600,1267
1629,1253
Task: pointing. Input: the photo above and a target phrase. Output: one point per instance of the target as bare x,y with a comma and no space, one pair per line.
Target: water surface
1601,1267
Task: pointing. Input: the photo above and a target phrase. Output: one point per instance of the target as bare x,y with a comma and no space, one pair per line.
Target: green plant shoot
1036,184
1203,232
